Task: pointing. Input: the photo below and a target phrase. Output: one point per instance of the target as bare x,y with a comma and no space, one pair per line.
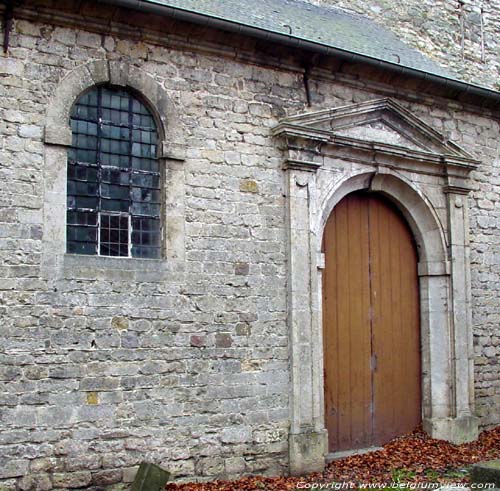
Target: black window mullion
130,166
99,164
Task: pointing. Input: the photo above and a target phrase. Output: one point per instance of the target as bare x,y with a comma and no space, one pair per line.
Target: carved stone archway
380,146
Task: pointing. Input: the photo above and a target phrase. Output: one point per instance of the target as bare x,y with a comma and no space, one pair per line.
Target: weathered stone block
119,322
223,340
249,186
234,465
9,485
198,341
129,474
486,472
73,480
13,468
29,131
92,398
307,452
237,434
241,268
105,478
35,482
150,477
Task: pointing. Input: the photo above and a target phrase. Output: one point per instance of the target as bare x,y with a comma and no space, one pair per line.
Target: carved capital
301,165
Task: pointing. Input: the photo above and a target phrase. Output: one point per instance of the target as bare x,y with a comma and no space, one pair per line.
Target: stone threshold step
350,453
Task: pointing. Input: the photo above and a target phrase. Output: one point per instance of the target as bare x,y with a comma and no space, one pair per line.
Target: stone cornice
93,20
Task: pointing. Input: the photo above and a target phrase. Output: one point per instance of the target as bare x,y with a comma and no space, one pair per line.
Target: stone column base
454,430
307,452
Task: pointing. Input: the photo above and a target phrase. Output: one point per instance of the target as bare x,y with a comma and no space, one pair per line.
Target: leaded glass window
113,177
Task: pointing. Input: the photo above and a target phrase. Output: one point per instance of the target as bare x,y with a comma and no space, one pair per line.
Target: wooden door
371,324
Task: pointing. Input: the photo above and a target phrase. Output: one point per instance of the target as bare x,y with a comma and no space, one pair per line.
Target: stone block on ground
486,472
150,477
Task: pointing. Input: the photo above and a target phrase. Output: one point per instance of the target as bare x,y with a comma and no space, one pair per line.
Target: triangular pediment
381,132
382,124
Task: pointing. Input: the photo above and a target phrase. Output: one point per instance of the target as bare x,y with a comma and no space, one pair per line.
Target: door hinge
374,361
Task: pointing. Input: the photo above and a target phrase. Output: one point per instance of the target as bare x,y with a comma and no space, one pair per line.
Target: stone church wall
107,362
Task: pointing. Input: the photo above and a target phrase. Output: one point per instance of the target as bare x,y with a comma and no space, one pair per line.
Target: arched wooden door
371,324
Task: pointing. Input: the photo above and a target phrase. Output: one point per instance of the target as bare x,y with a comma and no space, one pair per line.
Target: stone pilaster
466,424
307,439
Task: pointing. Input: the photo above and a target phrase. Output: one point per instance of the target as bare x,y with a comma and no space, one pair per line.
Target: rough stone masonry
182,361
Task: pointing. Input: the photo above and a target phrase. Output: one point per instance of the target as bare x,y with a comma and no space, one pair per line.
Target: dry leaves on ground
412,457
417,454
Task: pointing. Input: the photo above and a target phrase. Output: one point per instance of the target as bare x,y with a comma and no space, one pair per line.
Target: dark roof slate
328,26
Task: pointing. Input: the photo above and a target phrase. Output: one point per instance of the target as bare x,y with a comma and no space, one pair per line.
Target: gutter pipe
492,97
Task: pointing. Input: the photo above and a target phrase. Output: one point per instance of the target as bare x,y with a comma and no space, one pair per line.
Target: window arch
113,176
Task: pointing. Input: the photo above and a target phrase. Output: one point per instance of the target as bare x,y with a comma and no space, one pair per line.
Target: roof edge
149,6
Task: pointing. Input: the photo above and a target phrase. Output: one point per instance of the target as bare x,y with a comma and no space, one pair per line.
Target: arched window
113,189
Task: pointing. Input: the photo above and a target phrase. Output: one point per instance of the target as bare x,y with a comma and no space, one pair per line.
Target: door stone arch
329,154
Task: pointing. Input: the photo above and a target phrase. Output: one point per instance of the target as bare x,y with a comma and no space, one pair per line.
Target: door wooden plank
411,358
381,244
400,323
396,325
399,421
346,303
359,327
330,336
342,352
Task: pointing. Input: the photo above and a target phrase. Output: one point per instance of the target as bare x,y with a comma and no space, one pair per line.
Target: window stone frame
56,262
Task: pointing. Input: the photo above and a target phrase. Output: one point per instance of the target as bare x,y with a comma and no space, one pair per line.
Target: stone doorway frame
321,167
